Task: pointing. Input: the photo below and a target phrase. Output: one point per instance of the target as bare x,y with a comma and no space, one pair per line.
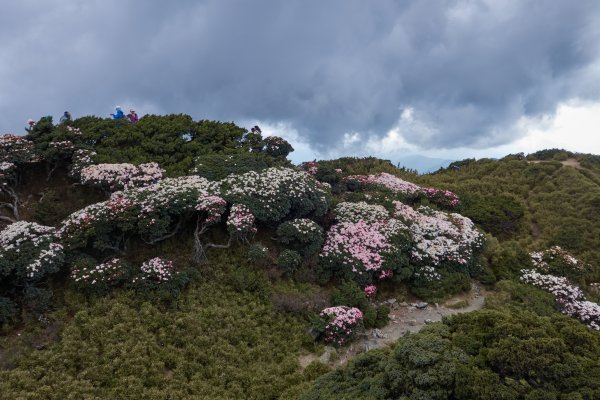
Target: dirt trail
404,317
569,162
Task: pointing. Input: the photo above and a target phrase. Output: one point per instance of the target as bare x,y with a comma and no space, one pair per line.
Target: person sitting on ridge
118,114
66,117
133,117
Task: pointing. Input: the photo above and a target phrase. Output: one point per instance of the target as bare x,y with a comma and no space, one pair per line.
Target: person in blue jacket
119,114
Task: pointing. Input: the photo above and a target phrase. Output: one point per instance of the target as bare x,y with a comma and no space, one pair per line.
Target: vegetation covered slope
175,258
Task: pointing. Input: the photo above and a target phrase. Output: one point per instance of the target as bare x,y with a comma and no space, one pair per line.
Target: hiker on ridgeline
118,114
66,117
132,116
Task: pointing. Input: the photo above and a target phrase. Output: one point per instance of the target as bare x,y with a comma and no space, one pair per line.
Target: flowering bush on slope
360,211
15,149
98,277
277,147
439,237
121,176
557,261
569,298
364,251
158,273
240,222
275,193
399,186
28,251
341,324
81,159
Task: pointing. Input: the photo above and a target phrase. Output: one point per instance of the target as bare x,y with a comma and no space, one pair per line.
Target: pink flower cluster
156,270
360,246
569,298
214,206
107,272
342,323
445,197
240,221
121,176
400,186
370,291
311,167
391,182
439,237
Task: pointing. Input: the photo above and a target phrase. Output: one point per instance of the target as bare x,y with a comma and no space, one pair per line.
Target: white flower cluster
393,183
427,273
65,145
156,270
106,272
273,192
122,176
305,226
541,259
570,299
360,211
438,236
31,245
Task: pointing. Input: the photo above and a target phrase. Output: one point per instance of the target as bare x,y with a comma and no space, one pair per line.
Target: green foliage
215,167
302,235
8,311
215,343
289,261
449,284
499,215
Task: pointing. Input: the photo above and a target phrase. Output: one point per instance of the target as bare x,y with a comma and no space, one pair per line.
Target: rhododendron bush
276,193
439,237
570,299
360,211
29,252
365,251
401,187
340,324
240,222
121,176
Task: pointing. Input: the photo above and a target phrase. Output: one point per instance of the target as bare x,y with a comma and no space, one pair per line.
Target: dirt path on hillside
569,162
404,317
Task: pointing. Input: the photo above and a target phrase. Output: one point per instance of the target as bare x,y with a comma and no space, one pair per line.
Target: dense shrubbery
303,235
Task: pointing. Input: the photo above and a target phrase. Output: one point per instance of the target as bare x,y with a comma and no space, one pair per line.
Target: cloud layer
436,74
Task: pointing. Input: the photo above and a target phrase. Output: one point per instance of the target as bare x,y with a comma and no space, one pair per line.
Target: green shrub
302,235
289,261
8,311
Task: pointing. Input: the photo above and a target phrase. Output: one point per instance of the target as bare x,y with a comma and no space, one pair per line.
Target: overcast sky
447,79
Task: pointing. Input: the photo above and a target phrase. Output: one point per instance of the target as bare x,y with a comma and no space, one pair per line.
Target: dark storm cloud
467,70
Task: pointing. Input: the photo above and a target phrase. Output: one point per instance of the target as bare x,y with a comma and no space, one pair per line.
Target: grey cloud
468,69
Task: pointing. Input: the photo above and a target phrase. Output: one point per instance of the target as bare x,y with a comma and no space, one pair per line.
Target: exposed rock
421,305
412,322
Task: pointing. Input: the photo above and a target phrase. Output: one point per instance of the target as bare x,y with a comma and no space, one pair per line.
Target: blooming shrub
214,206
240,222
363,251
391,182
444,198
15,149
439,237
370,291
158,274
360,211
569,298
275,193
81,159
341,324
557,261
121,176
98,278
7,170
28,251
303,235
